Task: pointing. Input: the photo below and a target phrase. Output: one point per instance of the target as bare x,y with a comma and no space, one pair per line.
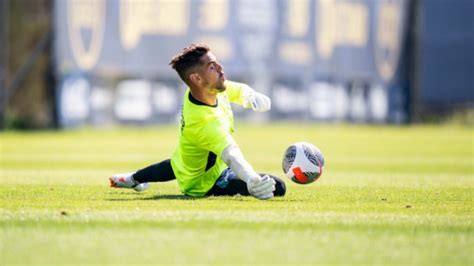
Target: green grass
389,195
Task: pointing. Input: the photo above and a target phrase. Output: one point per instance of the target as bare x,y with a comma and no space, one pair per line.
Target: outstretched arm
259,187
244,95
257,101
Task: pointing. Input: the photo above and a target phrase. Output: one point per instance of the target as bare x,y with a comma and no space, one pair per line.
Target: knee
280,187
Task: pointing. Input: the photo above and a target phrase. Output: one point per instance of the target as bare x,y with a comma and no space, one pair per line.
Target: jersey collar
197,102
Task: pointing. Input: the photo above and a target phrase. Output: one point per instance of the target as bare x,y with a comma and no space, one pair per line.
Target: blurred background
69,63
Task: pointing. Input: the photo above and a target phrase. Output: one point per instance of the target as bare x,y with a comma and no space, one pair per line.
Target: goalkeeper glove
257,101
261,187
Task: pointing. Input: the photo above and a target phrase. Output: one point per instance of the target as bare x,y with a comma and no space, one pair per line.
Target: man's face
211,73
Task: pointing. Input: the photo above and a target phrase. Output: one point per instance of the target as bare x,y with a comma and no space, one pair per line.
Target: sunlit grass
388,195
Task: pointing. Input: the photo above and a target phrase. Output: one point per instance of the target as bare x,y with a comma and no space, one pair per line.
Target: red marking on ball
300,176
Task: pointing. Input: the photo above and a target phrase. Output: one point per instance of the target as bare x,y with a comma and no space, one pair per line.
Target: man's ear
195,78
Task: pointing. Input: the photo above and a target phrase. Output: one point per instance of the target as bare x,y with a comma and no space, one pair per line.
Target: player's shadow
158,197
171,197
175,197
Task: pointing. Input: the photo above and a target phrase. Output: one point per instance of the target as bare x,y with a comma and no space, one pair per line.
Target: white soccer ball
303,162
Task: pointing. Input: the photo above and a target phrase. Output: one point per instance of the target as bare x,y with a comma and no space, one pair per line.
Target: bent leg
229,184
280,186
159,172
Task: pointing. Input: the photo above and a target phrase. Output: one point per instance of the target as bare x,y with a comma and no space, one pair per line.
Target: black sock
159,172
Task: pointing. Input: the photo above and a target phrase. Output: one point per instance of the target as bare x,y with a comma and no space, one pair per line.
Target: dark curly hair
189,58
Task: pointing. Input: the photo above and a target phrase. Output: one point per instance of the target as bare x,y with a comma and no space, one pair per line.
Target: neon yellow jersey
204,134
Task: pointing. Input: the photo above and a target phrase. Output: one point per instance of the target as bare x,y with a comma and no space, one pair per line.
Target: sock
159,172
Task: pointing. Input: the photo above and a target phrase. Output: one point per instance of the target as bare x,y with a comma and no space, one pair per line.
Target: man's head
198,67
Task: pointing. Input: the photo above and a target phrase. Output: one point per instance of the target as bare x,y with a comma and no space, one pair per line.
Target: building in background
364,61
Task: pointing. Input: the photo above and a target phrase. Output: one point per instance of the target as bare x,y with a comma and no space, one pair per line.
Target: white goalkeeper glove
257,101
261,187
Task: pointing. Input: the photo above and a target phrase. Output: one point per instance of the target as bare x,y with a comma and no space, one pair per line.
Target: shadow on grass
172,197
184,197
159,197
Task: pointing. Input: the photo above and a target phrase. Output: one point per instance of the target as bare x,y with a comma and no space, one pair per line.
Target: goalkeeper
207,160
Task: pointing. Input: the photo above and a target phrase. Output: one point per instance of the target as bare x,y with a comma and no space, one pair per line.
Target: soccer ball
303,162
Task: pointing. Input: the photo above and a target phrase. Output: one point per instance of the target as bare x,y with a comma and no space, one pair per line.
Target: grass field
389,195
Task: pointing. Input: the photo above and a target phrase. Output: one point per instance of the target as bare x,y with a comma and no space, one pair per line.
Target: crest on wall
86,23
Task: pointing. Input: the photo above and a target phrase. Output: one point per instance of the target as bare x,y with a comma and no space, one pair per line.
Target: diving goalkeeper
207,160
